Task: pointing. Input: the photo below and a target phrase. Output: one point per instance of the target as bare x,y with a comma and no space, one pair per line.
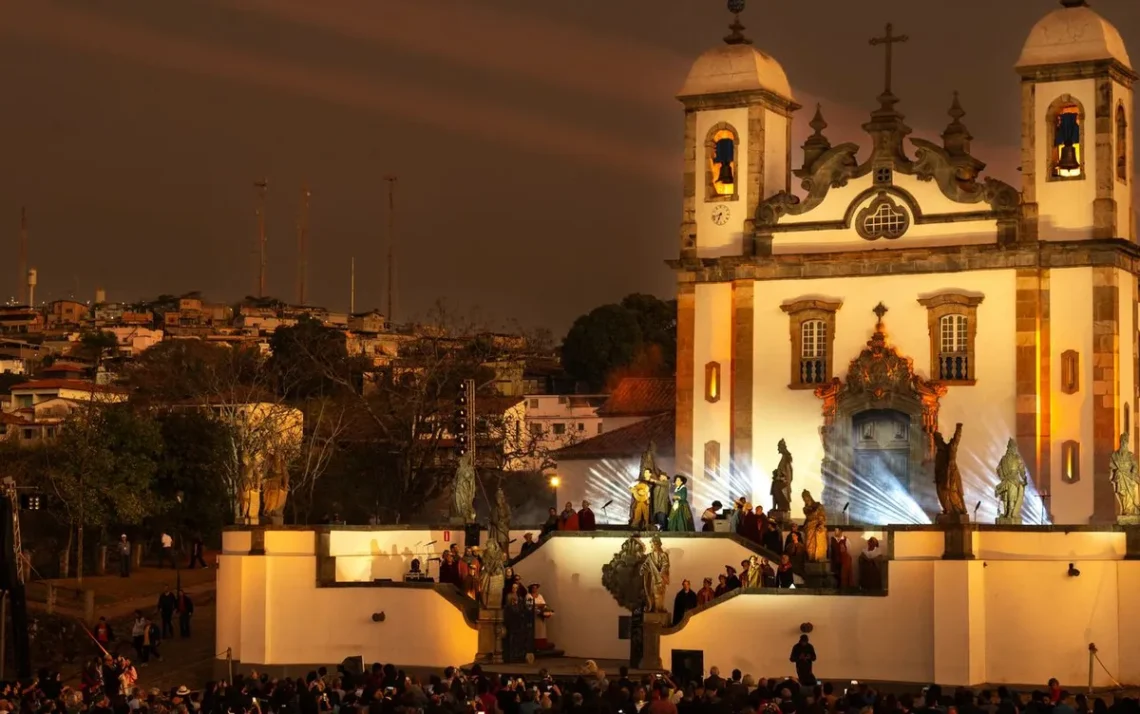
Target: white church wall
925,235
1126,361
1026,639
569,570
714,241
711,420
894,633
1060,546
1065,207
775,153
986,409
1071,415
227,621
1128,584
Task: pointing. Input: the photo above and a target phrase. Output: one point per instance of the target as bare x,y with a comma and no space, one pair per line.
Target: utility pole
22,278
303,244
352,286
391,179
262,187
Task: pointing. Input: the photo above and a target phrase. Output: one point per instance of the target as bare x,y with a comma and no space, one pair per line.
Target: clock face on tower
720,214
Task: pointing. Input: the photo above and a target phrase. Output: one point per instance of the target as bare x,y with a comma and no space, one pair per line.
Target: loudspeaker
688,666
471,536
353,666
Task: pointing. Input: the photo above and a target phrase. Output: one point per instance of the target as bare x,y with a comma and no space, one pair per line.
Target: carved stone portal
879,381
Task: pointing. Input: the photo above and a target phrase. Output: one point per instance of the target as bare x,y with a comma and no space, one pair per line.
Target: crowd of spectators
110,685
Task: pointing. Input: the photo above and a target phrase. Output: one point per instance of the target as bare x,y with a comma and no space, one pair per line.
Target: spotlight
1073,572
30,502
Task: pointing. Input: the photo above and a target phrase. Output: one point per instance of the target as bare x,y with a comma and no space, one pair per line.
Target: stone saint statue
1123,476
1013,477
947,478
463,491
782,480
491,577
622,576
815,529
655,571
249,494
500,526
275,491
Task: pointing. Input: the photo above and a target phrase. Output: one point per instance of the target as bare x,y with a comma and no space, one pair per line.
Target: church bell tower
738,113
1076,144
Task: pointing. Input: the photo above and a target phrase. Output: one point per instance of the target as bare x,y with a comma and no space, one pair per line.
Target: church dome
1074,33
736,68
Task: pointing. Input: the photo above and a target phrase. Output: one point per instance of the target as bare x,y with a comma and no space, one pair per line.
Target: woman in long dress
681,515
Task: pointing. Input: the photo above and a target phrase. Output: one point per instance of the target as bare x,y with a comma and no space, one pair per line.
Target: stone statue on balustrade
1125,483
463,491
1013,477
948,479
622,576
815,529
491,577
655,572
500,525
782,483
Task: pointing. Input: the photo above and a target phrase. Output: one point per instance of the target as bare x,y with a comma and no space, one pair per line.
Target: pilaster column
686,375
743,332
1105,388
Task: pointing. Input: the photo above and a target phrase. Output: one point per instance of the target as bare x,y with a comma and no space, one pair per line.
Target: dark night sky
537,143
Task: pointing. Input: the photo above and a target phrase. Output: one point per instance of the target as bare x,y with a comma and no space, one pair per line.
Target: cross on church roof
737,37
889,40
880,309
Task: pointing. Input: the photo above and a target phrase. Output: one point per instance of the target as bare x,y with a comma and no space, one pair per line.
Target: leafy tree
637,337
101,468
194,452
311,360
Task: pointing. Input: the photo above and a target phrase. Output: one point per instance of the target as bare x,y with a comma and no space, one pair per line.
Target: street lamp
554,482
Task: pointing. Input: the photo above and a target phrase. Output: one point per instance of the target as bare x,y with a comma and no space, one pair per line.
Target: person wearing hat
732,582
706,594
528,544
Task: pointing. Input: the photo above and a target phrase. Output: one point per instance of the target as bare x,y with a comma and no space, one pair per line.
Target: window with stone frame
1065,133
1121,144
812,324
722,149
953,323
712,459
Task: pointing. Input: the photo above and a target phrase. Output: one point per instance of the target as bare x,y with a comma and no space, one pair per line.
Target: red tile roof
629,440
641,396
77,385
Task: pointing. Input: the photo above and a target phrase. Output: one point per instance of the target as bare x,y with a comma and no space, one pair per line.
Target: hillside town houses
537,411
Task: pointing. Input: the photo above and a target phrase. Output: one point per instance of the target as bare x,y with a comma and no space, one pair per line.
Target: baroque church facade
900,291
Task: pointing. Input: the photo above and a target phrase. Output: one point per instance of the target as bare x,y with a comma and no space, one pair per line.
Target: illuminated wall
601,480
1065,207
712,419
986,409
1071,330
953,622
715,240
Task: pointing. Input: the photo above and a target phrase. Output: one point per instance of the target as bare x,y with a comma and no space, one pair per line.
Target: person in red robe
706,594
844,573
586,520
568,521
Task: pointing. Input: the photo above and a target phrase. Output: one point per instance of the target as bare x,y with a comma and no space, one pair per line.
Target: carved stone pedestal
818,576
951,518
1128,520
651,646
491,631
782,517
1008,520
1132,543
958,541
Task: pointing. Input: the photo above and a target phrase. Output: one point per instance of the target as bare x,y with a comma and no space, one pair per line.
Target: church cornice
1089,69
1111,252
736,100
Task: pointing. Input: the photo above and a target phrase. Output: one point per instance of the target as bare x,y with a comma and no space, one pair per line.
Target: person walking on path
167,604
124,556
185,612
167,552
197,550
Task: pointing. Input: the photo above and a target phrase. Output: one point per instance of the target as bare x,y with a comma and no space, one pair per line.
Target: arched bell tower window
722,147
1121,144
1066,138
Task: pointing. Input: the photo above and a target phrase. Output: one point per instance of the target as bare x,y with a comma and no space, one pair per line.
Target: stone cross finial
889,40
736,37
880,310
